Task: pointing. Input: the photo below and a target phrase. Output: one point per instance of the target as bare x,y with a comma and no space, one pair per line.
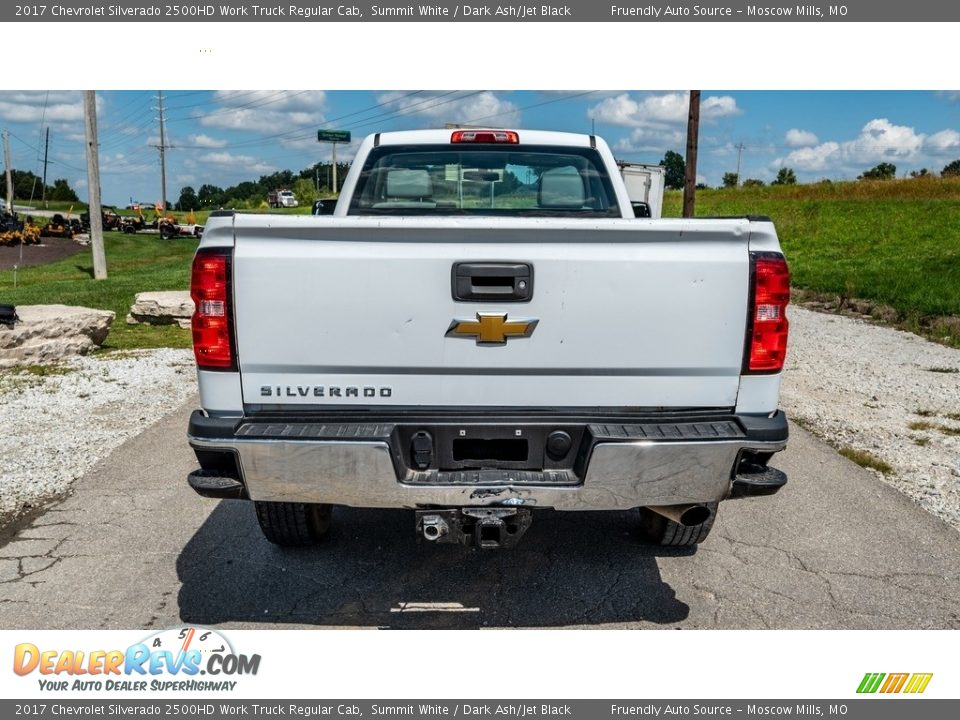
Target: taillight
767,325
508,137
210,290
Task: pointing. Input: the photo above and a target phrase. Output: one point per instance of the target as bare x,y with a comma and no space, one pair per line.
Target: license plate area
474,447
481,451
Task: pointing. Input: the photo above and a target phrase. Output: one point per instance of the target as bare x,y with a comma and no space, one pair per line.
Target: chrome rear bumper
622,467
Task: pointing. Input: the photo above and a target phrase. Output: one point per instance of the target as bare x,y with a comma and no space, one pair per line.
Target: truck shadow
577,569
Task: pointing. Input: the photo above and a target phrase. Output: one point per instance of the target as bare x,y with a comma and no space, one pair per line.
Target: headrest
561,188
409,184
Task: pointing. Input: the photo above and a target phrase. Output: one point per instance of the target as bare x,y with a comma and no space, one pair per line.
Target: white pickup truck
483,329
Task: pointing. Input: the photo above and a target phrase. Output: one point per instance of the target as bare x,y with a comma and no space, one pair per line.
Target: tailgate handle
486,282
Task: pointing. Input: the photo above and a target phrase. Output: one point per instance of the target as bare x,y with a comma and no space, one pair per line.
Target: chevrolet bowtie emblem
491,328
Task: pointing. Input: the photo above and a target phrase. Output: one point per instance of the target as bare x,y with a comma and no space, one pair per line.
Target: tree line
674,166
28,186
310,183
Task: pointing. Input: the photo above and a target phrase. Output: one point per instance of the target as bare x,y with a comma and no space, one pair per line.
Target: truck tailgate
356,311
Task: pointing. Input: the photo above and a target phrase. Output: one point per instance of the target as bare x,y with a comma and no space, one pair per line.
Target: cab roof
527,137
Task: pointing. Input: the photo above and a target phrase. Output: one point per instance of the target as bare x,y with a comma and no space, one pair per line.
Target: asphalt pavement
134,547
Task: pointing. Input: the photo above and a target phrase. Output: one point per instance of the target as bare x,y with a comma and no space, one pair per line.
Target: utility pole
739,148
6,164
334,168
690,176
163,159
93,186
46,152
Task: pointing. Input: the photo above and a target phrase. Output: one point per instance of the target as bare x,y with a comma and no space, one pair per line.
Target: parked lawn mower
110,219
170,228
57,227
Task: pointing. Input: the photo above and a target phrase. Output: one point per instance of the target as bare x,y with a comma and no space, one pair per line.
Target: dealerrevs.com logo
911,683
169,660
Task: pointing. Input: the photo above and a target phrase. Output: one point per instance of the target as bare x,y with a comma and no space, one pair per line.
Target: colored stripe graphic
870,682
894,683
918,683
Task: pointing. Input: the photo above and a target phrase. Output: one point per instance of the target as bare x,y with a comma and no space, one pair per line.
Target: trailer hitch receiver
488,528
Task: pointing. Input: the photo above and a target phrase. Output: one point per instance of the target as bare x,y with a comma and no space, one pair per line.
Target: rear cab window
491,180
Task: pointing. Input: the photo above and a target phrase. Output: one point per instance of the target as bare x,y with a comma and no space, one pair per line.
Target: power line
299,132
36,149
739,148
43,117
162,147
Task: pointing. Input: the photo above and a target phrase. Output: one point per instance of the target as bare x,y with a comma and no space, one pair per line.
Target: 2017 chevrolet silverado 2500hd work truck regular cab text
480,330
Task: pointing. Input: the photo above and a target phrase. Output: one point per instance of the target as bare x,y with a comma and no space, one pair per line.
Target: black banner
446,11
879,708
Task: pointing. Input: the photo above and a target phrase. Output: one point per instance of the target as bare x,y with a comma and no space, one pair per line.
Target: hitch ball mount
485,528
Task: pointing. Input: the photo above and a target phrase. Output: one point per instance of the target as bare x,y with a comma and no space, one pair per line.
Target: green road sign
336,136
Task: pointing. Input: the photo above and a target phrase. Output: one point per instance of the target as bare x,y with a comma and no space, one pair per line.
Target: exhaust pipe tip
686,515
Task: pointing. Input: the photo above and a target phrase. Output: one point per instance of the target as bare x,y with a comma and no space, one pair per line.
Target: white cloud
484,108
812,159
659,110
205,141
33,105
718,106
267,111
651,139
945,141
882,140
229,160
800,138
878,141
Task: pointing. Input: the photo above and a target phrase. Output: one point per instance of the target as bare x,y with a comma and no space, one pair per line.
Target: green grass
893,243
866,460
55,205
945,429
42,370
135,263
18,379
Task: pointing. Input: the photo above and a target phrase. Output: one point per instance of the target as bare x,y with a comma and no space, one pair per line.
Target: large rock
162,308
48,333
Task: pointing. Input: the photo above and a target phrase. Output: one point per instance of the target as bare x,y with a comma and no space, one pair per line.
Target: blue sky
225,137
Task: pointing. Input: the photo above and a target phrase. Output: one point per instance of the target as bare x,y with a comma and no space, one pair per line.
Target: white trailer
644,184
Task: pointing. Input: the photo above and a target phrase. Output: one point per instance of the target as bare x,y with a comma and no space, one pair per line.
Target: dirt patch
51,250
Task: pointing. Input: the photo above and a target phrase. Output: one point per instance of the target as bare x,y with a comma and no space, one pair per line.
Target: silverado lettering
319,391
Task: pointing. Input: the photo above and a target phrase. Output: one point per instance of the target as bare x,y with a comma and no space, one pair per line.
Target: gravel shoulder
882,391
57,426
853,384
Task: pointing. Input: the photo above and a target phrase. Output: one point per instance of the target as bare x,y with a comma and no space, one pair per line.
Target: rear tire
658,530
293,524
